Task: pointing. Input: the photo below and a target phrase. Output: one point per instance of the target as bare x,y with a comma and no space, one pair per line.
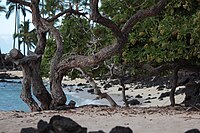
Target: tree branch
97,17
157,70
81,61
68,12
142,14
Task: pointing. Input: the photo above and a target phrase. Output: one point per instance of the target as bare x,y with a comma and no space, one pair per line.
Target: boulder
57,124
120,129
62,124
193,131
43,126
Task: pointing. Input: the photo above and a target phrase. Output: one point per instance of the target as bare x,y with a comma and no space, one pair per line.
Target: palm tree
17,9
27,37
2,9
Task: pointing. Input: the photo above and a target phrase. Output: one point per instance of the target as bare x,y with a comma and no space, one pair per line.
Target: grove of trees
155,35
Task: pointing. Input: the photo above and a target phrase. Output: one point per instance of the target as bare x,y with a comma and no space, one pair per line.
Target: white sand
14,73
152,120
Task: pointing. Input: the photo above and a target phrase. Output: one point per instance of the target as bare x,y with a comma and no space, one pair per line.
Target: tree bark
26,95
174,85
123,92
24,61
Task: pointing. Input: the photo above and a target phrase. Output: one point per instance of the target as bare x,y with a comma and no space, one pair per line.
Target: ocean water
10,96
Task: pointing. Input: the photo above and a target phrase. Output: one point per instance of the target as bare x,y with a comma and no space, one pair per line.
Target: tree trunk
174,85
38,87
58,96
29,78
123,92
26,95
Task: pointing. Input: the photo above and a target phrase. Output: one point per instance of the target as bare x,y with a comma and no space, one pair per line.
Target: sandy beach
153,117
140,120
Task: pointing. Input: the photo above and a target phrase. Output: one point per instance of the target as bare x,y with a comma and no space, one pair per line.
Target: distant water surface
10,96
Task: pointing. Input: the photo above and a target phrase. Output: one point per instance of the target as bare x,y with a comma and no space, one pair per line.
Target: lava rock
120,129
160,88
134,102
62,124
193,131
138,96
180,91
120,89
147,102
100,131
107,86
29,130
43,126
90,91
81,84
163,95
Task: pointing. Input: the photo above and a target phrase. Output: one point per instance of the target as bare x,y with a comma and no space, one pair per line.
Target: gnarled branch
142,14
67,12
97,17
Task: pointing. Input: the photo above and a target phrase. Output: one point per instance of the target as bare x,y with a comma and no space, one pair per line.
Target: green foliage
76,35
172,35
46,60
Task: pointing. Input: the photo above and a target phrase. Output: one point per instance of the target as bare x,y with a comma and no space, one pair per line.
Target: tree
27,37
59,66
2,8
17,8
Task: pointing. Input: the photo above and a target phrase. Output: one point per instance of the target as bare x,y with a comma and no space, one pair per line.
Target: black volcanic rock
120,129
163,95
193,131
134,102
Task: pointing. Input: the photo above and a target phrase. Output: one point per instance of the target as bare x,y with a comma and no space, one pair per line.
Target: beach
140,120
151,117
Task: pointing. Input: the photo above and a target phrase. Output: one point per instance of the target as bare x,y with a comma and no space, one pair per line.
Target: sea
10,96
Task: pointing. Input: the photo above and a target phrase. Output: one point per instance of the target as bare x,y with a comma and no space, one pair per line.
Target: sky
6,30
